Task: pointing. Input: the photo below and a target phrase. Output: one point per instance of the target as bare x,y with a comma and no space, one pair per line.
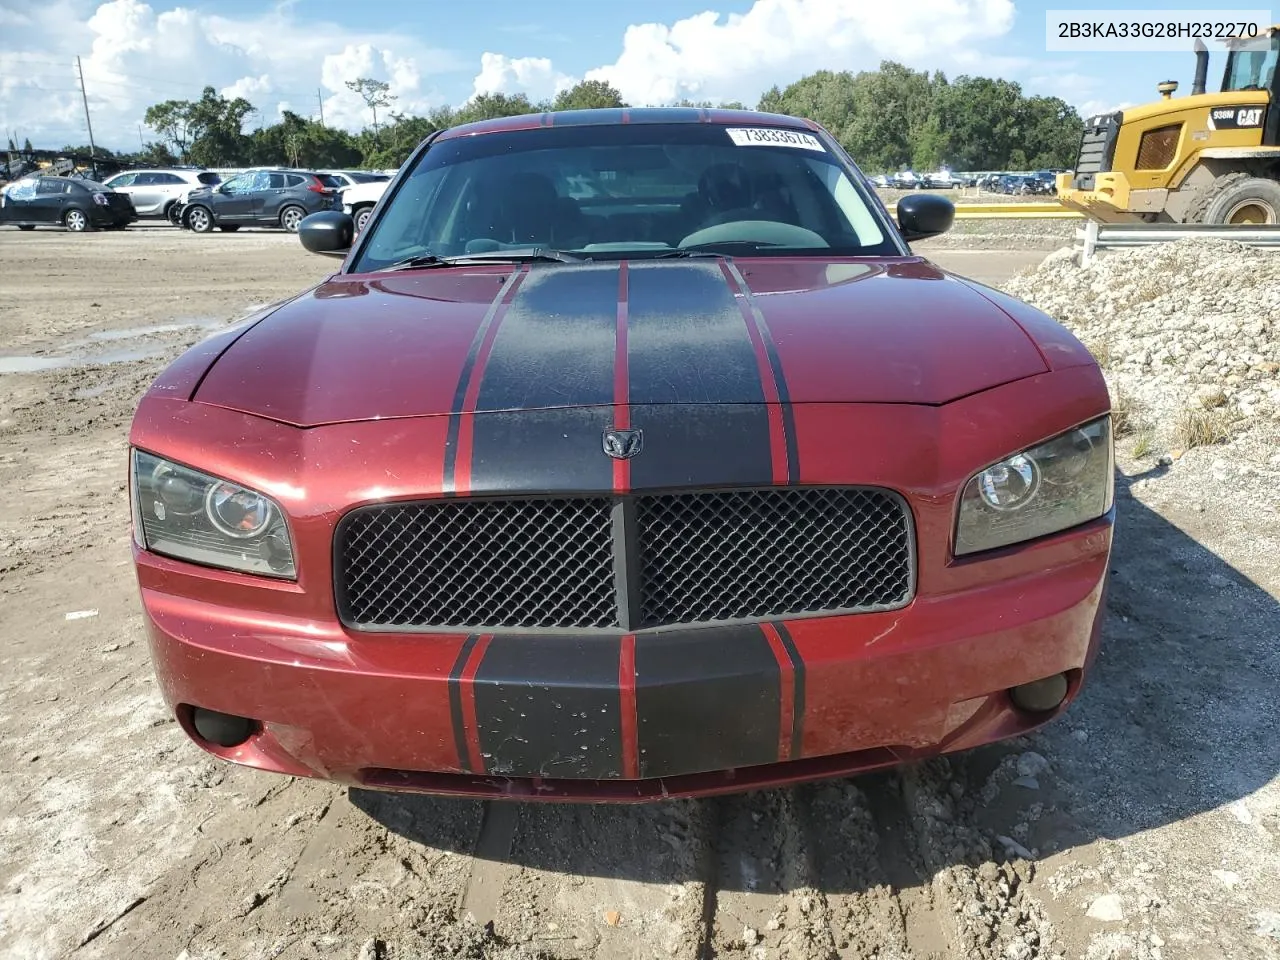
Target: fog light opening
1040,696
222,729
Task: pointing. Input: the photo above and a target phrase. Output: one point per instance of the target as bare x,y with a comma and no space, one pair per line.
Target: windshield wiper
690,254
540,254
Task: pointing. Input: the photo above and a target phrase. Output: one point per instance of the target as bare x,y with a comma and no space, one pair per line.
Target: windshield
629,190
1251,64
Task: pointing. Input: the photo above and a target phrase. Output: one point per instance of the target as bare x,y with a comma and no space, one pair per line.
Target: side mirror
329,231
924,215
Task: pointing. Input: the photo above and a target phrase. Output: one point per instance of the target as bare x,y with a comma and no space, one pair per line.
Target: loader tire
1237,198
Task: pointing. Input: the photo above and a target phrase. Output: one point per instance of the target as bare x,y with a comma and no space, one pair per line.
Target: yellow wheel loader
1203,158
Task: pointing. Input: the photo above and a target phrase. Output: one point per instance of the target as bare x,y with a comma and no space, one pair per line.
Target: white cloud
135,54
534,76
710,56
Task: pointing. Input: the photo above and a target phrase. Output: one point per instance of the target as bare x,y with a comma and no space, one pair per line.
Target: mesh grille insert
549,563
473,563
765,553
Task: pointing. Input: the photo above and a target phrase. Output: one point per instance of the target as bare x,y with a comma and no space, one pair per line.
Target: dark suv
260,197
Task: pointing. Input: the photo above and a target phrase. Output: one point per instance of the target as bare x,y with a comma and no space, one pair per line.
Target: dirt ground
1144,824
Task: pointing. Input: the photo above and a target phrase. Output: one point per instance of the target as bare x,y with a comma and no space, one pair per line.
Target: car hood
500,337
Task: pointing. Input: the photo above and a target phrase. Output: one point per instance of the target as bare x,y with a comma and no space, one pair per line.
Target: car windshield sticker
762,137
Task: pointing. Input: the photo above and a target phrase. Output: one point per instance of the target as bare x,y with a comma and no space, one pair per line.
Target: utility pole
141,145
320,100
93,150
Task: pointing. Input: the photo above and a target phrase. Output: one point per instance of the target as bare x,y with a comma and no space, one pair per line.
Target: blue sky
296,54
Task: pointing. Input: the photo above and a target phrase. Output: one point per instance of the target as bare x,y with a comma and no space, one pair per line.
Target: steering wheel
764,232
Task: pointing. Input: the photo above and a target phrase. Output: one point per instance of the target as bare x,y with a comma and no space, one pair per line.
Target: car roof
618,115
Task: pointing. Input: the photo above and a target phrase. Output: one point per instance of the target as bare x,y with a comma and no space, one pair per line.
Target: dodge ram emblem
623,444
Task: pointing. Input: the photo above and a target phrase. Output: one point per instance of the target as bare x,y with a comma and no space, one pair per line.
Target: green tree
13,147
712,105
83,150
588,95
981,119
219,127
172,121
400,138
490,106
299,141
26,146
375,94
1050,129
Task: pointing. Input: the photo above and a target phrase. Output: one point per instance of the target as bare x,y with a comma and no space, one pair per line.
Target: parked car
259,197
880,180
1043,182
349,178
69,202
359,201
605,498
942,180
906,180
1012,184
155,192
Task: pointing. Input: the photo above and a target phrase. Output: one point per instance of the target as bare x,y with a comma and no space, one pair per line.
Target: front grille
629,563
1097,149
465,563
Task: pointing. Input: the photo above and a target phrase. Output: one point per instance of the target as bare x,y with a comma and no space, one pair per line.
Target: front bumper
683,712
1110,200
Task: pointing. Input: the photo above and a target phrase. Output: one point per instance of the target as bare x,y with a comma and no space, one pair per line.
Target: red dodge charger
629,454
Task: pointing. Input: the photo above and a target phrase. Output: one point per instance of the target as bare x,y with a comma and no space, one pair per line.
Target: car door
236,198
50,201
273,195
123,183
148,193
17,202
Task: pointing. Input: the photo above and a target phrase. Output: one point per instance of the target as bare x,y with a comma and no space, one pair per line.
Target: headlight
1058,484
190,515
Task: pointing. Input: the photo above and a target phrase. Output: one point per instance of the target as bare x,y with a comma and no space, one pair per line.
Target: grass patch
1202,428
1124,413
1101,350
1143,446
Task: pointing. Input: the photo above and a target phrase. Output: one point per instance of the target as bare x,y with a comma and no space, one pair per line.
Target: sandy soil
1143,825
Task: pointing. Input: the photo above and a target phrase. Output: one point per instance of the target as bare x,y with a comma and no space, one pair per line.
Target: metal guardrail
1015,211
1096,236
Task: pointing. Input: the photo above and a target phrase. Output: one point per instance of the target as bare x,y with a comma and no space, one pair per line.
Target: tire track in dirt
586,880
980,893
767,902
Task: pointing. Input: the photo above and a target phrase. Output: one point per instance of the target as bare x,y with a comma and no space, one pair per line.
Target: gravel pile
1187,333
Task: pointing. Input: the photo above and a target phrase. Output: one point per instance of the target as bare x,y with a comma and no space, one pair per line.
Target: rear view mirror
329,232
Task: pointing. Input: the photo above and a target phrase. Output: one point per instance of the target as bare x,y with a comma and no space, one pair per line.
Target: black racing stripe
582,118
455,702
797,697
775,365
550,706
667,115
548,451
556,343
464,378
688,345
701,445
686,339
706,699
